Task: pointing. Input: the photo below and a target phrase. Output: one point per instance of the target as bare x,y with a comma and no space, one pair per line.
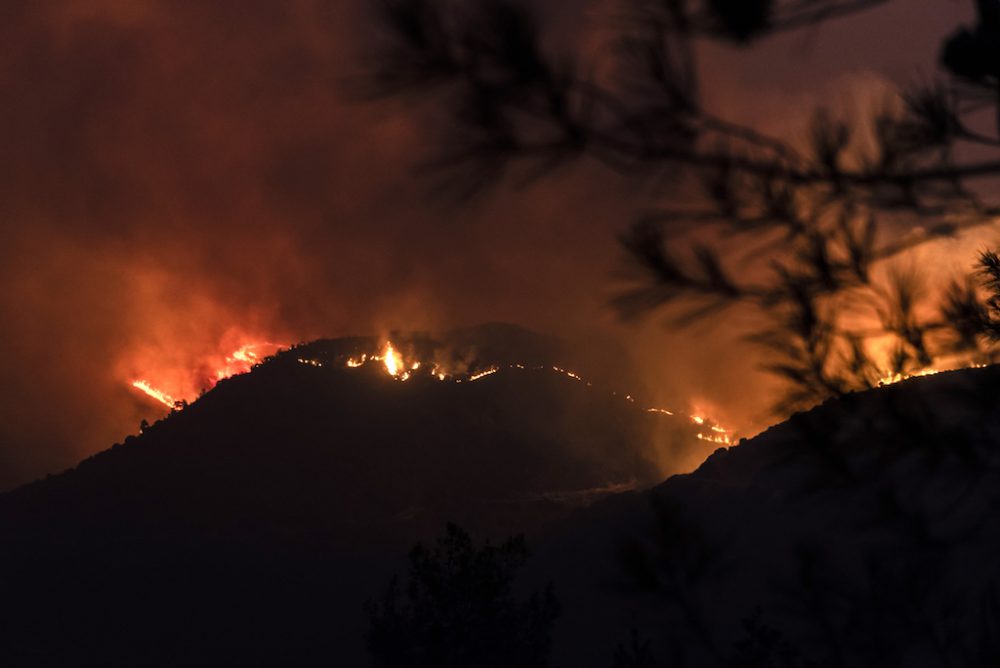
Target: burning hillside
445,358
324,460
403,367
318,456
460,356
865,533
176,389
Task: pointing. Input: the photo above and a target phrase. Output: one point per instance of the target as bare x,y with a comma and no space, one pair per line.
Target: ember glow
240,361
401,369
173,390
483,374
894,378
150,391
716,434
392,360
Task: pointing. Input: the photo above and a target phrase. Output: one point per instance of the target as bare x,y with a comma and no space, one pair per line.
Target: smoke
180,176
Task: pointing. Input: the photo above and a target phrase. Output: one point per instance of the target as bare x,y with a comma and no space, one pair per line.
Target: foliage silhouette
763,647
459,610
636,654
814,224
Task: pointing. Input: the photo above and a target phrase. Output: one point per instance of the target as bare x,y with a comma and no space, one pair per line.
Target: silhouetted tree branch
822,218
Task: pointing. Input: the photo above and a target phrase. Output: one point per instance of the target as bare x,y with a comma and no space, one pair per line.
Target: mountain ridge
256,521
253,524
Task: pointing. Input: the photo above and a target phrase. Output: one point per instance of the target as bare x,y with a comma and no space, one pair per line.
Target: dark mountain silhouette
861,533
249,528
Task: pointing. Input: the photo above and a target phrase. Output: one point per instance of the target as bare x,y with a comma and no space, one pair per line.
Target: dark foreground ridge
861,533
250,528
253,524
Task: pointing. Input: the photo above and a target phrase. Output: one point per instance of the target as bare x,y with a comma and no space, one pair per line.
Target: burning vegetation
800,239
399,366
176,394
405,362
402,368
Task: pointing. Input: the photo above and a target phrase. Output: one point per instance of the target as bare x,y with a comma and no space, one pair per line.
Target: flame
712,432
568,373
173,388
721,439
483,374
718,434
239,361
248,355
894,378
395,364
392,360
149,390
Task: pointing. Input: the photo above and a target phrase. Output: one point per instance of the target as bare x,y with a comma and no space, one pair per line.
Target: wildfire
248,355
483,374
173,390
893,378
150,391
401,369
717,434
393,360
239,361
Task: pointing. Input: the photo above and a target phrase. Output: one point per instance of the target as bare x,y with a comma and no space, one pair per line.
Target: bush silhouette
459,609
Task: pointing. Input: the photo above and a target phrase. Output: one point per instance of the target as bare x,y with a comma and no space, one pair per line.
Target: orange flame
392,360
174,388
483,374
401,369
893,378
150,391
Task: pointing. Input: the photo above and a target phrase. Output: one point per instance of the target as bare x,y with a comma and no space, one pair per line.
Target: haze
183,176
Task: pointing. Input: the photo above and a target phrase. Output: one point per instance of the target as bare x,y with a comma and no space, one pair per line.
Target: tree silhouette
799,234
636,654
763,647
459,610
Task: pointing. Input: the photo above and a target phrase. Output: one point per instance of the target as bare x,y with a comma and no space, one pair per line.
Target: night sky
183,178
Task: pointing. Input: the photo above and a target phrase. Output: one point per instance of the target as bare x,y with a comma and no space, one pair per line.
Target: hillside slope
253,524
861,533
249,528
